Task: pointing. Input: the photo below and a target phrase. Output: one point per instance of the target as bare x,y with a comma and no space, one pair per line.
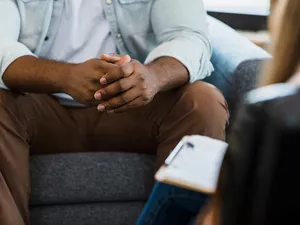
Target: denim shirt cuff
9,52
197,63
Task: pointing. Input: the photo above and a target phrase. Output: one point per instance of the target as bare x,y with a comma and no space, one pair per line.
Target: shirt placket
110,14
48,38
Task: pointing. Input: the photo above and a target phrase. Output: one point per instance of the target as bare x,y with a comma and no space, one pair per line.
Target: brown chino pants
38,124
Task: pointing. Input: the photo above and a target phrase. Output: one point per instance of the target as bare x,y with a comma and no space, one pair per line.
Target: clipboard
194,164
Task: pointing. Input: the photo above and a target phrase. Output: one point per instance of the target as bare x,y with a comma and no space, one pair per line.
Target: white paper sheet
196,165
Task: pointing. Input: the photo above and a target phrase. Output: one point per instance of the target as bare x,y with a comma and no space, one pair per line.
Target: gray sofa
112,188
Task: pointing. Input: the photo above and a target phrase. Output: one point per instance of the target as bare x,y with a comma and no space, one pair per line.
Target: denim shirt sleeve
10,25
181,29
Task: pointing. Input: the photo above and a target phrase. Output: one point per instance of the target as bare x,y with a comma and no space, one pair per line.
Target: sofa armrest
236,62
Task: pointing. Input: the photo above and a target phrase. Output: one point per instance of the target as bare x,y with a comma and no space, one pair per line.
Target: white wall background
240,5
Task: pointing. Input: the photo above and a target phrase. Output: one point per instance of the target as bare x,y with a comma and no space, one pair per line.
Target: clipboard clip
184,141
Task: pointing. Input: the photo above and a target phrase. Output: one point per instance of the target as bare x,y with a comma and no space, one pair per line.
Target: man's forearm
34,75
170,73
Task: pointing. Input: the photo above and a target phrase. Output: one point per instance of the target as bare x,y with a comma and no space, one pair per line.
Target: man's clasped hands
114,83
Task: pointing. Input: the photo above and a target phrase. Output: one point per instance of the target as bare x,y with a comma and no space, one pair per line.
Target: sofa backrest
236,60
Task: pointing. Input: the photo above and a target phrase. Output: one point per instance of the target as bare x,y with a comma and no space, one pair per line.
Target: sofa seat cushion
123,213
90,177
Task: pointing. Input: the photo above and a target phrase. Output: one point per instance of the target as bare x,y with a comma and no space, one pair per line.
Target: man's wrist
60,72
156,73
35,75
169,73
64,80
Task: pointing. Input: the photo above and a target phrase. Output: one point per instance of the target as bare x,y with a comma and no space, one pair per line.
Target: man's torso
129,22
76,31
84,33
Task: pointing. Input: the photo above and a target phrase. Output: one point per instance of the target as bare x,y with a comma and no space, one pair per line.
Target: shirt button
108,2
119,35
46,38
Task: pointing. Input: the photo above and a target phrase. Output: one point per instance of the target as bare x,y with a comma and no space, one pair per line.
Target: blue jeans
170,205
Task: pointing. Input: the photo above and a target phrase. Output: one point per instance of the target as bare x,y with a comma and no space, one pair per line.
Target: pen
177,149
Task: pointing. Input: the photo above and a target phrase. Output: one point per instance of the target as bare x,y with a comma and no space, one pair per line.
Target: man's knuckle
123,99
145,97
143,87
141,76
114,102
124,71
135,62
108,105
122,85
104,94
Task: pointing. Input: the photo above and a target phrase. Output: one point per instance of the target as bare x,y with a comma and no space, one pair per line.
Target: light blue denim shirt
144,29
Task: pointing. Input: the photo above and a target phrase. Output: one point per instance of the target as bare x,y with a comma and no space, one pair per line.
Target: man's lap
54,128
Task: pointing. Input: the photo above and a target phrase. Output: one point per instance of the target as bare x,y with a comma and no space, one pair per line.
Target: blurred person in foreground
283,68
58,96
172,205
